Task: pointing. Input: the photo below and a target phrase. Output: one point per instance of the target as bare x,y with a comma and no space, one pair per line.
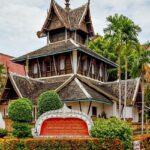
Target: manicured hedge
113,128
60,144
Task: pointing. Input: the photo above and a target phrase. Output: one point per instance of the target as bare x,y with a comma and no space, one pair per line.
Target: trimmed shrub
28,101
113,129
20,110
3,133
48,101
21,130
61,144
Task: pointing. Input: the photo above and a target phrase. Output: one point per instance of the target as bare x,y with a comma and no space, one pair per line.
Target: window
101,71
93,69
47,65
70,107
94,111
85,65
35,69
43,67
62,64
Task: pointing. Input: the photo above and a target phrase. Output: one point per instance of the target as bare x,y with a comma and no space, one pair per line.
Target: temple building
68,66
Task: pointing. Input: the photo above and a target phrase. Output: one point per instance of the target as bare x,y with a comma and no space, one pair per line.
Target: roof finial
67,5
89,1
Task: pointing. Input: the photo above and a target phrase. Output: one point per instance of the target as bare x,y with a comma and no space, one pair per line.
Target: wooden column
75,36
75,61
66,36
89,108
80,106
27,66
54,62
48,40
114,109
39,69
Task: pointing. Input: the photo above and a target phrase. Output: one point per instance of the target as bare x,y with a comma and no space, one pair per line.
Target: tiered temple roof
73,88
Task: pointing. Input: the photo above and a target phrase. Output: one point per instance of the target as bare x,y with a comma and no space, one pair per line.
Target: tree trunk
142,123
119,78
125,96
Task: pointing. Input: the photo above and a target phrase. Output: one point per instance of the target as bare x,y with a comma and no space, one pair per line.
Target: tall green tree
121,31
142,58
103,47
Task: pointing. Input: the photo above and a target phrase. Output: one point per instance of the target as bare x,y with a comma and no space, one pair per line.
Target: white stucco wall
108,109
3,108
128,112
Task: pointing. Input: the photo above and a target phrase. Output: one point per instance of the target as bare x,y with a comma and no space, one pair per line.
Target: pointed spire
67,5
89,1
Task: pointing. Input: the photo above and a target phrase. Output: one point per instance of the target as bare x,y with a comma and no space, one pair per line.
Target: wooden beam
89,107
55,65
27,66
96,88
71,62
64,84
78,63
15,86
80,106
89,67
75,61
82,88
48,41
99,72
66,36
75,36
39,69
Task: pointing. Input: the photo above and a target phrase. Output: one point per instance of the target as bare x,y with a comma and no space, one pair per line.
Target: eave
99,57
89,100
66,51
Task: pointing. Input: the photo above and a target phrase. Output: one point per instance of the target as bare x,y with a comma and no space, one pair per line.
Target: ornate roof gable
72,19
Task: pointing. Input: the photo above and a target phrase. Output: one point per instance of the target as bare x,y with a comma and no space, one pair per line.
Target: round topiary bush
21,130
48,101
20,110
28,101
113,129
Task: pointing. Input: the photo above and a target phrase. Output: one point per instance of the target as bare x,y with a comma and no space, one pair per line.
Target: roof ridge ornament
67,5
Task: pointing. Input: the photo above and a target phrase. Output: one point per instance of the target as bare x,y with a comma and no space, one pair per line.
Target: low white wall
132,112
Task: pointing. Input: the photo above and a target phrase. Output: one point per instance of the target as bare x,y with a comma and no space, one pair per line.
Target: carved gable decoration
55,22
63,123
74,19
84,26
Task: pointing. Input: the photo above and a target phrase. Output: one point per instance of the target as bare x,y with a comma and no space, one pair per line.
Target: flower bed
144,139
59,144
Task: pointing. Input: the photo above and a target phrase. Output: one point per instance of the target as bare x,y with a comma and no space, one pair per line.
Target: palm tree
142,58
128,50
121,31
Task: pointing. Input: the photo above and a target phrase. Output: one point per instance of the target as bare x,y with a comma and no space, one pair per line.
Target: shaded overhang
107,102
19,60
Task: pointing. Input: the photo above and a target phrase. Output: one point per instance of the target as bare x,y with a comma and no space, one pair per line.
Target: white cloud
21,19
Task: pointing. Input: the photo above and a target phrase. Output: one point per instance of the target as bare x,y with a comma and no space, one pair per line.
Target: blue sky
21,19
